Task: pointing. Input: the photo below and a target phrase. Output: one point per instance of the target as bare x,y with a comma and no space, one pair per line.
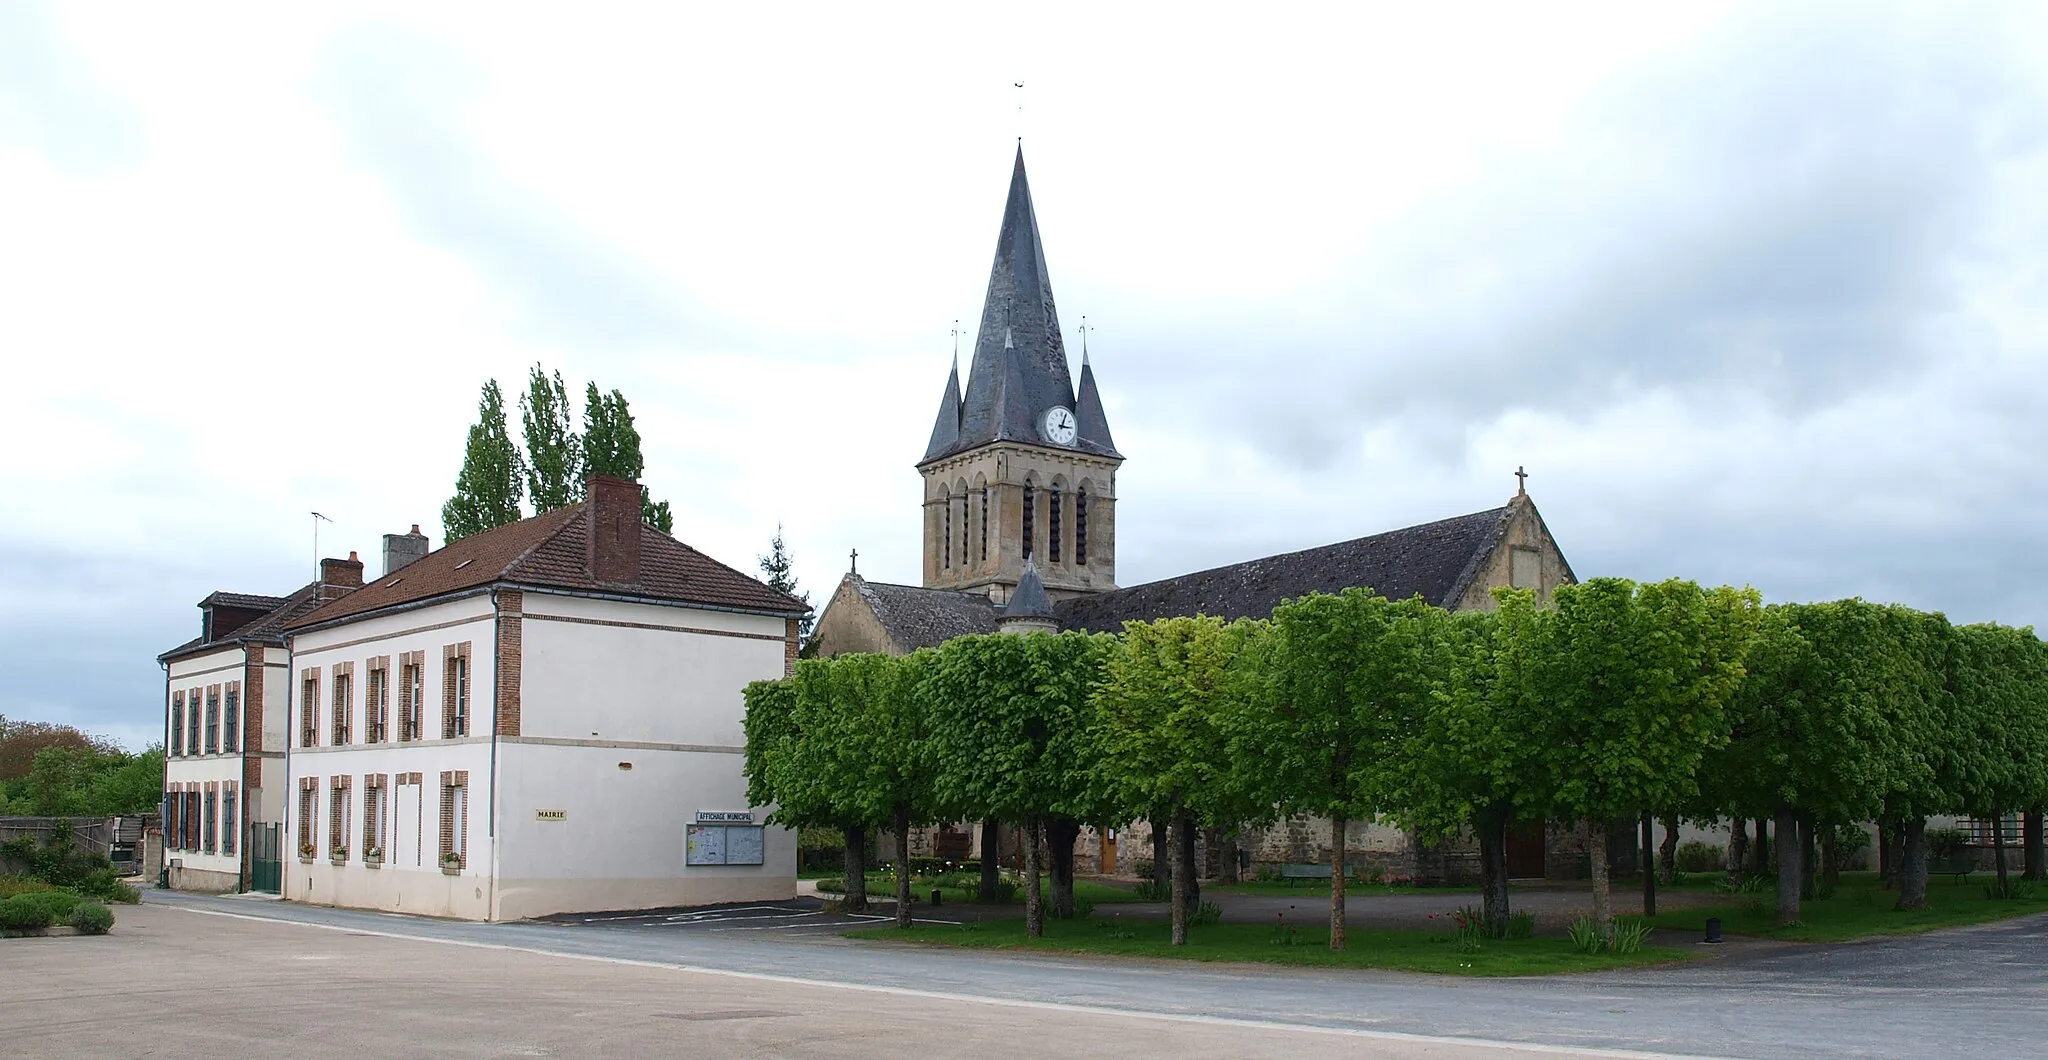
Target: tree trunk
1187,838
1228,872
1162,855
1337,838
1760,847
1913,865
1596,863
1998,852
1738,848
1060,835
991,860
1887,854
2035,852
1789,871
1807,860
1034,894
903,864
1649,869
1830,858
1667,853
1183,877
1491,825
856,899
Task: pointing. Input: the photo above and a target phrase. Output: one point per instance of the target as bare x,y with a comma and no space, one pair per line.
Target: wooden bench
1958,865
1292,872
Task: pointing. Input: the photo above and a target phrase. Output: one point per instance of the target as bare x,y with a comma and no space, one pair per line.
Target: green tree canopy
611,446
554,451
489,486
780,569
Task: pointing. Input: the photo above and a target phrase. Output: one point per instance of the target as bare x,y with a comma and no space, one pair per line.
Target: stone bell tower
1021,467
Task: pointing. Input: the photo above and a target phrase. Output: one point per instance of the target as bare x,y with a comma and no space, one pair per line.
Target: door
266,863
1525,851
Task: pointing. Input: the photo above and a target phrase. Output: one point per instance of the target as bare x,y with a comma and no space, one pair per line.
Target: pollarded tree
1919,706
783,749
1012,738
1350,677
1632,681
884,754
1471,762
1997,678
489,486
1163,712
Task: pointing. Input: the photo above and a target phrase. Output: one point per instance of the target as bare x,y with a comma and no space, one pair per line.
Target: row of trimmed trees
1622,701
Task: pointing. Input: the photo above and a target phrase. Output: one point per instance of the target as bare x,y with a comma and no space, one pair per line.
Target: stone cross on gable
1521,482
853,561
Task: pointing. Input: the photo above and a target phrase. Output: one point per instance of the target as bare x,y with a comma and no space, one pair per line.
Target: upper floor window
455,691
411,688
376,704
309,709
192,719
231,721
344,719
213,720
177,723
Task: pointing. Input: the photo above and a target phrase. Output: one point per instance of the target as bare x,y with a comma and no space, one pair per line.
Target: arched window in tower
1030,516
984,524
1052,524
966,521
946,538
1081,526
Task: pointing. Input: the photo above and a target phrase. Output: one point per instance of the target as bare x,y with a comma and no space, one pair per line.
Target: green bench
1958,865
1296,871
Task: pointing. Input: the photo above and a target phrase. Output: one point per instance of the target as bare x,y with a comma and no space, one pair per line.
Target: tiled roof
1434,560
243,601
926,618
268,629
547,551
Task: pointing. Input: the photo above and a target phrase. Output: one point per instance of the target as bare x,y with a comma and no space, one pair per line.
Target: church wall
1004,468
849,625
1525,530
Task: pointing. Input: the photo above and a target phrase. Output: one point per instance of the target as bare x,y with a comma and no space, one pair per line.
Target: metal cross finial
853,561
1521,482
956,340
1085,329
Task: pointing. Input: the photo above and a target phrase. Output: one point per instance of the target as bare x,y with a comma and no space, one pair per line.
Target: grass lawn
1413,951
1861,909
959,891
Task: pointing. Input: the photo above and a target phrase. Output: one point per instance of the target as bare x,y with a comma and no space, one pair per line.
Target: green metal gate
266,866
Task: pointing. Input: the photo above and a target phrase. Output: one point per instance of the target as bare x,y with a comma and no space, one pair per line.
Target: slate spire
1028,600
1091,424
946,430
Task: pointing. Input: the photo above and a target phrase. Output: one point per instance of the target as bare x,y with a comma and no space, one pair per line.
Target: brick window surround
231,718
230,820
456,691
309,793
177,724
173,802
374,813
192,816
338,816
344,703
209,819
412,687
454,818
309,707
377,700
213,719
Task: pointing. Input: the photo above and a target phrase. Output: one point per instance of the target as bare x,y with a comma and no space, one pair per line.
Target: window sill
305,860
373,863
342,860
451,870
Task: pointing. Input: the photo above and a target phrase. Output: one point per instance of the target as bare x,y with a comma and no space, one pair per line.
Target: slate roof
1437,561
1020,361
269,629
1028,599
926,618
547,551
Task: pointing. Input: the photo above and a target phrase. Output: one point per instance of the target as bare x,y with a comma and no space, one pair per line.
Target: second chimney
401,549
612,544
340,576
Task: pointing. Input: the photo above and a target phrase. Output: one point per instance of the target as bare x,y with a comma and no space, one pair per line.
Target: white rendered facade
223,761
596,728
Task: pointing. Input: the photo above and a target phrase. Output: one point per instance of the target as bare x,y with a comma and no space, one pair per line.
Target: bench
1292,872
1959,865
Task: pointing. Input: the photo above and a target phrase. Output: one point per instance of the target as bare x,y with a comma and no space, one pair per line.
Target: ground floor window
308,791
455,819
228,821
209,838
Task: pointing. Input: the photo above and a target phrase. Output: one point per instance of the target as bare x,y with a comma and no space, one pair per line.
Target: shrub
2011,890
1521,925
13,885
831,885
21,914
1205,914
1585,936
1947,842
1695,856
92,918
1148,891
1628,936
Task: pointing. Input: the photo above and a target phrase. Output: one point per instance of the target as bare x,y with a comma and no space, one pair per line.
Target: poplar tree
488,488
611,446
554,452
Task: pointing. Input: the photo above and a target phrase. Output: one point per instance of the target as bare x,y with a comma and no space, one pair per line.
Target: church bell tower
1020,466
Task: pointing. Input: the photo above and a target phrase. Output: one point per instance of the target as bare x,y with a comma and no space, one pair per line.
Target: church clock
1059,426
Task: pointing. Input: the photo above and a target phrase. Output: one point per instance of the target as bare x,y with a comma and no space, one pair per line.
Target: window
1979,829
455,691
192,723
172,802
228,823
376,703
1081,526
177,723
1030,516
1052,524
373,816
309,709
965,519
231,720
411,688
455,819
209,839
309,788
946,537
213,720
984,524
337,817
192,818
344,705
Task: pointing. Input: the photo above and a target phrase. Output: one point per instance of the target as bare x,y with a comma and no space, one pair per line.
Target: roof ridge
1302,551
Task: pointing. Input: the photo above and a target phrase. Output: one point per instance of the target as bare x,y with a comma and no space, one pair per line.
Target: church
1019,531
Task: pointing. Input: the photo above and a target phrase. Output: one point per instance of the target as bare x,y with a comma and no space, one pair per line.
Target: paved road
1974,991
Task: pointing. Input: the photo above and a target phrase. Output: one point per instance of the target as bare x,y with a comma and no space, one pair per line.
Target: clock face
1059,426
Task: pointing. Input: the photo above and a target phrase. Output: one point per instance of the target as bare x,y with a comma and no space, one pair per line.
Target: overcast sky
1756,294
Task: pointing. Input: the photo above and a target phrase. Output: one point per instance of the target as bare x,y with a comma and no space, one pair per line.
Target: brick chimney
612,543
401,549
339,577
